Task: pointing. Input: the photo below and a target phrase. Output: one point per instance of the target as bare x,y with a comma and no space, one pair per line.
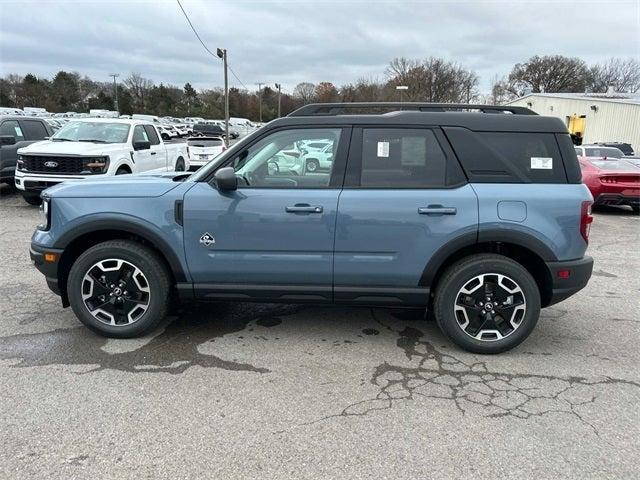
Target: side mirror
7,140
142,145
226,179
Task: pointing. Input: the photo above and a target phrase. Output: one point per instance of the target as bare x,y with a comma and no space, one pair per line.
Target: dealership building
591,117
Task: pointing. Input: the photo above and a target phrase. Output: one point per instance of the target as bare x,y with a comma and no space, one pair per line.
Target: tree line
430,80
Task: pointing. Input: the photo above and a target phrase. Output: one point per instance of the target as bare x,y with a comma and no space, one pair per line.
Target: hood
121,186
48,147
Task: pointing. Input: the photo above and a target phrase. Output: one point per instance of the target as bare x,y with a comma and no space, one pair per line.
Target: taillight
585,220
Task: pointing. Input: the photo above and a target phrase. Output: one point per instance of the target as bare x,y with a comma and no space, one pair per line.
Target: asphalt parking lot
278,391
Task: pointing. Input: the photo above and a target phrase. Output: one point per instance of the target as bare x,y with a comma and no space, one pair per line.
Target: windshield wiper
92,140
61,139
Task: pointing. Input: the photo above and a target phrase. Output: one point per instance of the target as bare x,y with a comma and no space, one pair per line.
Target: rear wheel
312,165
180,165
32,198
122,171
119,289
487,303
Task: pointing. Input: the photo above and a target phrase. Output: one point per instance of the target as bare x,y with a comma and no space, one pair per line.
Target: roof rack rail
339,108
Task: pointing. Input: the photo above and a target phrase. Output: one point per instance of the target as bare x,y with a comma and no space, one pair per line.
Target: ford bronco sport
474,212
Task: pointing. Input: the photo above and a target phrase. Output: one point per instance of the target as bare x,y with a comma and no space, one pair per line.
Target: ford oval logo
51,164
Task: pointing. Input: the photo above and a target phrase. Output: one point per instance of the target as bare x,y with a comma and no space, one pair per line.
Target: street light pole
279,86
115,91
222,53
260,99
401,89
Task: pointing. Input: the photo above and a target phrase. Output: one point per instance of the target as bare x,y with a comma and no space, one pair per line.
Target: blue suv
474,212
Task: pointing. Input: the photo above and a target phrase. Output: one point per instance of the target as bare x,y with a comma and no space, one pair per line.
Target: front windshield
95,132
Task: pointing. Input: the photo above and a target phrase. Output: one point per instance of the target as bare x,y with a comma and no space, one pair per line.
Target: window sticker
18,131
383,149
541,163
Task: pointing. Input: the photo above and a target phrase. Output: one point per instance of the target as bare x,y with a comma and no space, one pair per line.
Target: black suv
17,132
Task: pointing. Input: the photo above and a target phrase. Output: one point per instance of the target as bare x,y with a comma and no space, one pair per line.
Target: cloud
290,42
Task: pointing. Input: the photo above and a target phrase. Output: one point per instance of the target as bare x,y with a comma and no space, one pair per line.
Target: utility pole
279,86
260,99
115,91
222,53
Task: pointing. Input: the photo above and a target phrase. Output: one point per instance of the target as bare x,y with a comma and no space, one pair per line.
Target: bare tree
621,74
305,91
549,74
433,80
139,88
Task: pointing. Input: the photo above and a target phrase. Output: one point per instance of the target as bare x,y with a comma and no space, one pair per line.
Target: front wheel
180,165
487,303
32,199
119,289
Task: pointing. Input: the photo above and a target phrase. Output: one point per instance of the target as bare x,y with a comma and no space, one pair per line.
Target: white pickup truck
95,147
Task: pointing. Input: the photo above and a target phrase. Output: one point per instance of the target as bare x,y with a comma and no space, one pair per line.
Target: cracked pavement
238,390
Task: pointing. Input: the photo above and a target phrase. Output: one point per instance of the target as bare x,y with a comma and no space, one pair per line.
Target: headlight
20,164
45,214
98,165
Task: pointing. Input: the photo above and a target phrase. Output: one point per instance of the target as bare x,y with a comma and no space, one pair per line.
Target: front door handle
437,210
303,208
153,153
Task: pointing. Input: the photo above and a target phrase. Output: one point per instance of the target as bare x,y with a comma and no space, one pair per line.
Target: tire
122,171
165,137
32,198
312,165
133,317
462,320
179,165
636,209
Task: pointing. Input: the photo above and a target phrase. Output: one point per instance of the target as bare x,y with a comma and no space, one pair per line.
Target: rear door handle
303,208
437,210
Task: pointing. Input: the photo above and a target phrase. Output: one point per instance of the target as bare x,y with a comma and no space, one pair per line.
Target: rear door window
12,128
34,130
401,158
608,152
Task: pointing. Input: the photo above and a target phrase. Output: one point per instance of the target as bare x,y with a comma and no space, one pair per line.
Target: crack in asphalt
472,387
195,326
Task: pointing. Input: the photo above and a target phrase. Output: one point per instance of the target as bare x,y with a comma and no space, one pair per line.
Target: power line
194,30
205,47
237,78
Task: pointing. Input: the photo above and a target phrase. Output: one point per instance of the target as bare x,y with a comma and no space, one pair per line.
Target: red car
612,182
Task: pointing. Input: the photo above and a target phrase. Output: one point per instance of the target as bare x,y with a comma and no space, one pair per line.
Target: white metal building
607,117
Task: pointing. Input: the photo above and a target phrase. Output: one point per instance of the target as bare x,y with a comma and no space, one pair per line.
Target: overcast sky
295,41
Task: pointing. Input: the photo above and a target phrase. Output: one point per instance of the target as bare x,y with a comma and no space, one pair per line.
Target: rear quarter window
509,157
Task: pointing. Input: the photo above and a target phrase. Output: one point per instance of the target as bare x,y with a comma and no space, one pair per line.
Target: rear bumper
616,199
579,273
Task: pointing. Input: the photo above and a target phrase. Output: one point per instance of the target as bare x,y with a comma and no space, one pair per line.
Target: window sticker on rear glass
18,131
383,149
541,163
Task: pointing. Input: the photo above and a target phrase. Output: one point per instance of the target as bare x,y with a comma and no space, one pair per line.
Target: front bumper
48,268
579,273
33,182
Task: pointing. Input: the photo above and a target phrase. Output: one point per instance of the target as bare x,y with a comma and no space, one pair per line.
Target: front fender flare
129,224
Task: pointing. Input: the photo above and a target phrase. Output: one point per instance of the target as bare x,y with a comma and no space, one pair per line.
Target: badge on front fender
207,239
